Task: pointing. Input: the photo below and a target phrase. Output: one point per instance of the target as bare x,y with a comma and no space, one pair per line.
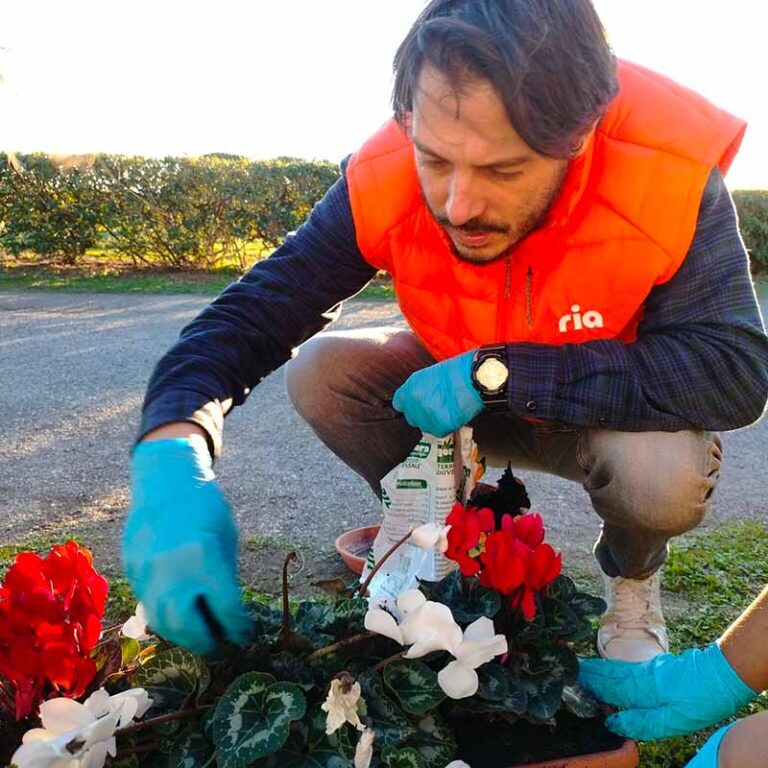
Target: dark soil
11,732
500,744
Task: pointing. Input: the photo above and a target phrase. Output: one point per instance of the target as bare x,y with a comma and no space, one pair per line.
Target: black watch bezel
496,399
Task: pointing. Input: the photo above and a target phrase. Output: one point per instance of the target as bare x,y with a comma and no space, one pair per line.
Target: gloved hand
180,546
440,398
669,695
706,757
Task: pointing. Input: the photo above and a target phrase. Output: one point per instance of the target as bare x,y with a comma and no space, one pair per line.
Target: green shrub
752,206
177,212
47,209
193,212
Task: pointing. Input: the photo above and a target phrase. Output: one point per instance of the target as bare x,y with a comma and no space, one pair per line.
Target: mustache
473,225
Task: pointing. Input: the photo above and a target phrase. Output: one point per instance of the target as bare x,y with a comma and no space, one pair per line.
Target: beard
530,216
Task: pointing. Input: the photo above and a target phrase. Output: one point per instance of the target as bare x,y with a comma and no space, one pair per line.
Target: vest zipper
528,301
502,330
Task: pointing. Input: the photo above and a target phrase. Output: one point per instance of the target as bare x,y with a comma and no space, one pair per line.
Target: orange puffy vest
622,223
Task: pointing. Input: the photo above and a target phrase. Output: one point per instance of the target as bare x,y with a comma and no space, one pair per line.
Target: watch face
492,374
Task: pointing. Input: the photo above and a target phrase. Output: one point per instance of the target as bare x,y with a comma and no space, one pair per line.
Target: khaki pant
645,486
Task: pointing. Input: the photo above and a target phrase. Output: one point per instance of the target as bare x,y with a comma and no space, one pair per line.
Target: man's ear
580,143
407,124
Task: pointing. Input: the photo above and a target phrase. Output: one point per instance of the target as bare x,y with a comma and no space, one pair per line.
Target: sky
305,78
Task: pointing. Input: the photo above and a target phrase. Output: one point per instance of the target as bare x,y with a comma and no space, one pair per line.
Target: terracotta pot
626,756
353,546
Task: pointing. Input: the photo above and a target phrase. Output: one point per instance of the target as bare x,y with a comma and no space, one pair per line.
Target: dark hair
548,60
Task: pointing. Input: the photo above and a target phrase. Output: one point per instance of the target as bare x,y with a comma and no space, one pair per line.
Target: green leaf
556,661
580,702
253,717
320,758
562,588
349,617
544,697
170,678
391,724
129,650
493,682
312,619
191,748
403,757
414,685
434,740
467,605
587,605
344,741
286,666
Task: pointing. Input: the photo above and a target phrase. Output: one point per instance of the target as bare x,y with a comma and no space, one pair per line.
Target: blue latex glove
180,547
706,757
669,695
441,398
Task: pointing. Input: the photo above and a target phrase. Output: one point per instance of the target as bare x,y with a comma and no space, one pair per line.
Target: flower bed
478,667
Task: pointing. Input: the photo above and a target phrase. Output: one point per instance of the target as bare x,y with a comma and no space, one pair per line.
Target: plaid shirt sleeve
251,329
700,359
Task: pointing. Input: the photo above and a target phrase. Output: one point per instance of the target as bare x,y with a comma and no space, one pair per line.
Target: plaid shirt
700,359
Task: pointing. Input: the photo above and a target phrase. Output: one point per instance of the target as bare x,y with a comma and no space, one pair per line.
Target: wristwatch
490,376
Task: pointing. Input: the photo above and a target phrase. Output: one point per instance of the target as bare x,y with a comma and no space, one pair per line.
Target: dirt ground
74,368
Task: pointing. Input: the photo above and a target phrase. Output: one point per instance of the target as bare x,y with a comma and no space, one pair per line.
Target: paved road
72,374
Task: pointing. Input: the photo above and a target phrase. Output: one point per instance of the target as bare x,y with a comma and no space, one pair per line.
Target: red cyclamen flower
50,620
505,562
467,527
544,566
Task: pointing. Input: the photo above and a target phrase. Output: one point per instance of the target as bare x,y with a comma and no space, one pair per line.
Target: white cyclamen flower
127,705
428,626
136,626
341,706
431,535
78,735
382,623
457,764
364,748
71,737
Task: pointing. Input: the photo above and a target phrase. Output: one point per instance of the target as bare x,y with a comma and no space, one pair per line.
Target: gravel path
72,378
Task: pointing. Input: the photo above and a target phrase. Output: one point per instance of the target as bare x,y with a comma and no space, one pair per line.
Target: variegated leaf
170,678
434,740
253,717
414,684
403,757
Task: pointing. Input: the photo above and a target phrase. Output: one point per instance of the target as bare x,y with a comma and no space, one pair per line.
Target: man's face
483,184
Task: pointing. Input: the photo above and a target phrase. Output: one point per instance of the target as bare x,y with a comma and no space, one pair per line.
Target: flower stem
387,555
383,663
180,715
286,628
329,649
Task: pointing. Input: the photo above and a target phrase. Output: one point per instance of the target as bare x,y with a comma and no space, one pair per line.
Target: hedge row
198,212
752,206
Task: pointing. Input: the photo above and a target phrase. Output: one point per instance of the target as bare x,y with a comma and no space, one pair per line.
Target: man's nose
464,203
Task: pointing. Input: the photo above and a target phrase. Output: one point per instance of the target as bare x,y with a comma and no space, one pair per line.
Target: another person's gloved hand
440,398
669,695
707,756
180,546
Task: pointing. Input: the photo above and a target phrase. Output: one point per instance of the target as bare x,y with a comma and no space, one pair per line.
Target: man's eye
503,175
432,162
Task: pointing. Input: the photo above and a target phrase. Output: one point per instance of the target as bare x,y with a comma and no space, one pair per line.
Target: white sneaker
633,628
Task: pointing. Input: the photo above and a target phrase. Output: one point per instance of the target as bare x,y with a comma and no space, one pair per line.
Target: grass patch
110,279
115,281
715,576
